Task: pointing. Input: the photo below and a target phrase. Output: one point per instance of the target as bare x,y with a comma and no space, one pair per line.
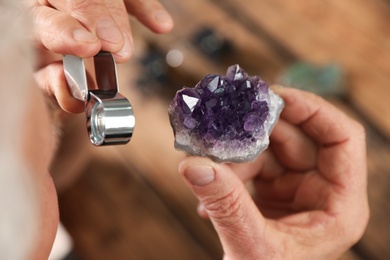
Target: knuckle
85,6
352,231
359,128
356,130
314,97
226,207
119,13
358,230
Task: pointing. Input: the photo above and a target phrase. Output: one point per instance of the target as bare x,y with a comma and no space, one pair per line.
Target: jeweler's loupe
110,118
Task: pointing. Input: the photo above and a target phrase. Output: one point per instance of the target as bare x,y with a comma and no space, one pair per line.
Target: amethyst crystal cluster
227,118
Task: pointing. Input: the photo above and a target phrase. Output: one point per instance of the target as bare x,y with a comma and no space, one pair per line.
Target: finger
292,147
239,224
317,117
51,79
118,11
345,163
283,189
96,18
341,157
151,13
265,167
61,33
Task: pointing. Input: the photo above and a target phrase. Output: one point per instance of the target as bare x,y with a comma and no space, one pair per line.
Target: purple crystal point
227,118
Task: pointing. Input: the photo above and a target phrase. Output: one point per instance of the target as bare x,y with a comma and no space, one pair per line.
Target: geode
227,118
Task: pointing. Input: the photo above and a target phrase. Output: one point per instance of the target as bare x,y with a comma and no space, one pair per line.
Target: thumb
238,222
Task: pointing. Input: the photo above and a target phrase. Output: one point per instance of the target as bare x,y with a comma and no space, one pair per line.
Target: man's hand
83,28
309,188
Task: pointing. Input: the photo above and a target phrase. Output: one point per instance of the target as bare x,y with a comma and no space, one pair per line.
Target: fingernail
200,175
127,47
108,31
83,35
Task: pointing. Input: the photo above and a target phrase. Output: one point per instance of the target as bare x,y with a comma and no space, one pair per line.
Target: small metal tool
110,118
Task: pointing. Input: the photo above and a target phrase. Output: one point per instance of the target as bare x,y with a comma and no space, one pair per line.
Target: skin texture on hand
310,198
83,28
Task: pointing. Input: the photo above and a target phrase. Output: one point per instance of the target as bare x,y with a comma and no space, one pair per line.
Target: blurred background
128,202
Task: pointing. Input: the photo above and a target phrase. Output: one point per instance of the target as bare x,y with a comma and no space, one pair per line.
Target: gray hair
18,198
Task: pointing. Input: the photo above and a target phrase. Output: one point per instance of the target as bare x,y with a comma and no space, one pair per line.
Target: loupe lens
110,120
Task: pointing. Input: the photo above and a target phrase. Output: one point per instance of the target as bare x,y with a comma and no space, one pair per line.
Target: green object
326,80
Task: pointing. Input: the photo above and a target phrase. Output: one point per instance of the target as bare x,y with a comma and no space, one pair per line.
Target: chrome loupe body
110,118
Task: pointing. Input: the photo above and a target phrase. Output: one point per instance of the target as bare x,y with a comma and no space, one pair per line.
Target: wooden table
130,203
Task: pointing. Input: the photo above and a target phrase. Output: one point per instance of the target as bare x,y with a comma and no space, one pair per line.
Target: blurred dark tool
212,44
162,73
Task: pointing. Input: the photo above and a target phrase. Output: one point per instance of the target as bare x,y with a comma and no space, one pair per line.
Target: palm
291,193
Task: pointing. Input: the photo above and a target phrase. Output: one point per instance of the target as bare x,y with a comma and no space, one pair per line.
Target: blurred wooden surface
130,203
